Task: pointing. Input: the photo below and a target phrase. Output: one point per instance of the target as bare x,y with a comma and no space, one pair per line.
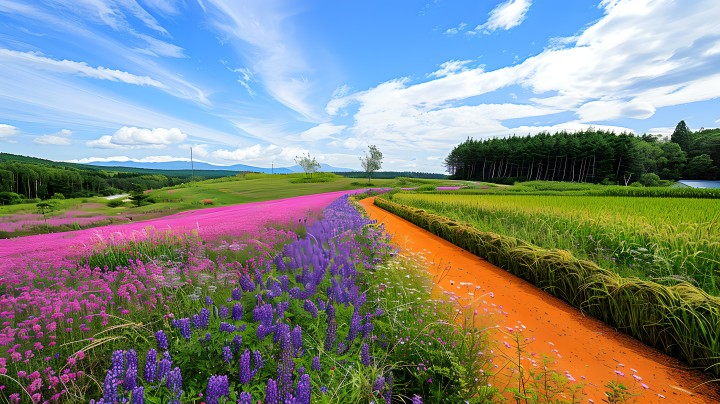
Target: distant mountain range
185,165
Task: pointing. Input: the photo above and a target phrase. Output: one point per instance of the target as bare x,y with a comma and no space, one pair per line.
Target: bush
650,180
57,195
9,198
115,203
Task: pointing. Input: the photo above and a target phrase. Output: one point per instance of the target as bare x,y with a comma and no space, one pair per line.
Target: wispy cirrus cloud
505,16
261,33
36,61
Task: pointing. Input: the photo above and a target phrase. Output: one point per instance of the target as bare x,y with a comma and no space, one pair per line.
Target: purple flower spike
237,312
316,364
365,354
244,398
271,392
138,395
227,354
417,399
150,366
218,386
162,340
303,390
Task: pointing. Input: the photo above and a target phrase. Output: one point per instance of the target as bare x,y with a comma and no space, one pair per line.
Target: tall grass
666,240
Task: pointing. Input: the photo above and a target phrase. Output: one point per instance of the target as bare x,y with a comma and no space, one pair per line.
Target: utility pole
272,168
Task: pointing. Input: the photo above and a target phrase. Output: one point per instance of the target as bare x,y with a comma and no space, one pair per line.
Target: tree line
24,178
591,155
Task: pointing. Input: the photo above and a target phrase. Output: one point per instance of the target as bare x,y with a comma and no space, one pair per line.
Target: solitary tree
44,207
308,164
372,162
138,197
682,136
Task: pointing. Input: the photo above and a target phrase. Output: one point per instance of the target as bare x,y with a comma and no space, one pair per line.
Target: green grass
242,188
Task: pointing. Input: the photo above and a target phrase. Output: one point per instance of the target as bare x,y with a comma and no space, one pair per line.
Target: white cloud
506,15
320,132
198,150
132,137
7,131
454,31
613,109
164,7
34,60
571,126
124,159
258,154
61,138
156,47
449,67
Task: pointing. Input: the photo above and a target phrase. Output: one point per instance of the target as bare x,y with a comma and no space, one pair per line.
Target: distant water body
701,183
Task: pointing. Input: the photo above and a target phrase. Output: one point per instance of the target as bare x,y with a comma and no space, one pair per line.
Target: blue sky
261,82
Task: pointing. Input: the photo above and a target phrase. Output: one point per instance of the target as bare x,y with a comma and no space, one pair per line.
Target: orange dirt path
583,347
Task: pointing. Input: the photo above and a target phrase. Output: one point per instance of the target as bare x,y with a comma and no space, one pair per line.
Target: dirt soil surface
582,347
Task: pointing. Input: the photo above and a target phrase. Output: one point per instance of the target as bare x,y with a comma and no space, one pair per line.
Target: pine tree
681,136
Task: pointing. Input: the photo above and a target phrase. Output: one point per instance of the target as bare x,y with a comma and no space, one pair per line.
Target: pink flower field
59,249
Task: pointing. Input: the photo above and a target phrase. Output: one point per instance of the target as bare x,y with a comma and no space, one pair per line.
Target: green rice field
666,240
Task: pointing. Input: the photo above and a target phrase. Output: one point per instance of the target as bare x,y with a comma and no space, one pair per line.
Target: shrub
650,180
115,203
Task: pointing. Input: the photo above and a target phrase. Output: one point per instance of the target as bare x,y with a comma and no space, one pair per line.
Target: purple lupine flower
354,326
217,387
263,314
257,357
183,325
164,366
110,387
365,354
223,312
208,300
236,343
341,348
297,339
280,309
315,364
303,390
246,284
150,366
280,331
271,392
237,293
118,364
331,334
286,367
138,395
367,328
416,399
227,354
284,282
202,319
246,373
174,382
321,304
379,384
244,398
130,378
237,312
310,307
387,394
227,327
162,340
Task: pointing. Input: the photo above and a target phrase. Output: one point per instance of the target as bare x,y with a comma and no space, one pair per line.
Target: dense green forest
27,178
590,156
